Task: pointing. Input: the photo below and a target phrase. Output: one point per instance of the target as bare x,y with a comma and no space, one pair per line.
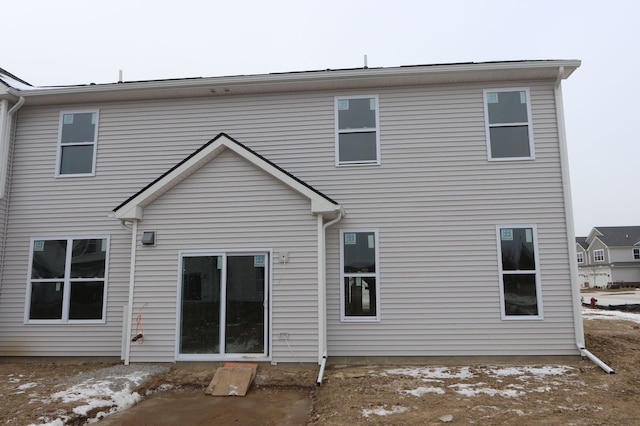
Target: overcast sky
76,42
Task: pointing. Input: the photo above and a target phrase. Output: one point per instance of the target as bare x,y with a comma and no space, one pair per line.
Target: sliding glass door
223,305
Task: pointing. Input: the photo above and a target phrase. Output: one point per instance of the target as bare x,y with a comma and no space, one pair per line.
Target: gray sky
76,42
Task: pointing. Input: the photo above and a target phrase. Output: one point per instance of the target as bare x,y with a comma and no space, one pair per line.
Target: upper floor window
519,270
78,137
598,255
508,124
636,254
67,280
357,130
580,256
360,299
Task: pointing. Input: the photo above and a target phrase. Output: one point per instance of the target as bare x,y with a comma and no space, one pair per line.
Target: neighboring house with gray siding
377,212
609,256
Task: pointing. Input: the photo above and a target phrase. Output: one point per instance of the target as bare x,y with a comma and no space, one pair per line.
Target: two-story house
609,255
414,211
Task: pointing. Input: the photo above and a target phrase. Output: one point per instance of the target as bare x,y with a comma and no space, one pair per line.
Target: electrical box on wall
283,257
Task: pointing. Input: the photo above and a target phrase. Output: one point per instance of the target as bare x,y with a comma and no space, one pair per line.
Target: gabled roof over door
133,208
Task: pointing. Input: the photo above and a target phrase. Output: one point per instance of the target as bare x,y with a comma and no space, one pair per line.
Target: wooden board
231,381
244,364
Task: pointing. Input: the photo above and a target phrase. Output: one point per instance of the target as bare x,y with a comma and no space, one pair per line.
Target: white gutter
132,270
6,123
322,291
282,81
571,236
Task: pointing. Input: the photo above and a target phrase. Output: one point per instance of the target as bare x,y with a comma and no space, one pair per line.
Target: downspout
5,134
571,237
6,126
322,291
132,270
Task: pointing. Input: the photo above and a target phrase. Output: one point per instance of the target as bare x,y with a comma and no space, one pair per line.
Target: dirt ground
570,393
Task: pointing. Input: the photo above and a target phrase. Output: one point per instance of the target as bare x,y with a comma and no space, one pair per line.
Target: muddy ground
569,393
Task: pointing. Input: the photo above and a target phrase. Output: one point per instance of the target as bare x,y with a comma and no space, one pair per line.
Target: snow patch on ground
27,386
433,372
591,314
467,381
109,388
532,371
423,391
473,389
383,411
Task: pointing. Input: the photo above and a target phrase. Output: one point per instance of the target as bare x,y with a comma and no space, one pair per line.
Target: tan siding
435,199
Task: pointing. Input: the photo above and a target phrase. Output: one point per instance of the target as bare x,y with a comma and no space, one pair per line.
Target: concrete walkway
258,407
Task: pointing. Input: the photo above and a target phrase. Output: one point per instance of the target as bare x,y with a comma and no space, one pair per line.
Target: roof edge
288,78
133,207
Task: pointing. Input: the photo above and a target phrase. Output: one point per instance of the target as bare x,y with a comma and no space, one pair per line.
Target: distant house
375,212
610,255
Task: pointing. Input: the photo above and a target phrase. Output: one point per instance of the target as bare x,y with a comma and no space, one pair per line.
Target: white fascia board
134,208
284,80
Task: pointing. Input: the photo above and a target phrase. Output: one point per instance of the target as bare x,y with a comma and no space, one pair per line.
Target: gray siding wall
230,205
622,254
630,274
435,199
438,263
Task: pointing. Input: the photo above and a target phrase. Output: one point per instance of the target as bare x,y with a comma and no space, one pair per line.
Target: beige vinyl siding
229,204
435,200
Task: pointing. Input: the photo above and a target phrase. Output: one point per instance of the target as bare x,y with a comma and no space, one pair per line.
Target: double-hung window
77,143
636,254
67,280
357,130
598,255
518,265
580,257
508,124
360,298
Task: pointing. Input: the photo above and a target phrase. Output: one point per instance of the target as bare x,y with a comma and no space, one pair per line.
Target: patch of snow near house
56,422
382,411
424,390
433,373
590,314
27,386
108,388
535,371
466,381
472,389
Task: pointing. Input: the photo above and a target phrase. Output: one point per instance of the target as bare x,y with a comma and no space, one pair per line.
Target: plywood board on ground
231,381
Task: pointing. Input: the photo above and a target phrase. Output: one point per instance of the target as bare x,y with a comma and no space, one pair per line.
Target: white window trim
503,314
268,296
532,153
580,256
338,132
598,251
60,145
635,253
67,283
376,275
